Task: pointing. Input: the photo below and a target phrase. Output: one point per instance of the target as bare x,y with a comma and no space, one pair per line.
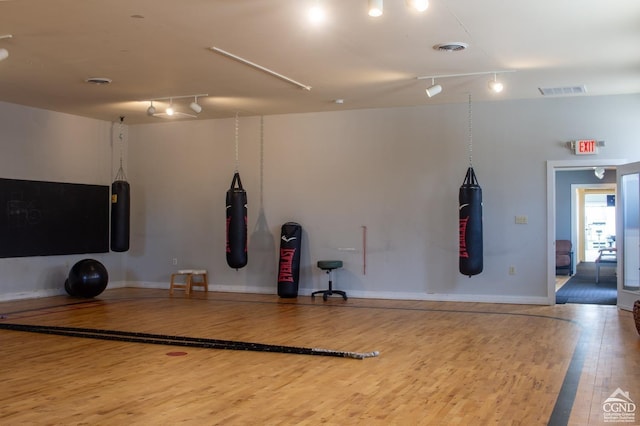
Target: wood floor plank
439,363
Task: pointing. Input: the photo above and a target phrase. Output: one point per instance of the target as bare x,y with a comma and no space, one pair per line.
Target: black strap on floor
193,342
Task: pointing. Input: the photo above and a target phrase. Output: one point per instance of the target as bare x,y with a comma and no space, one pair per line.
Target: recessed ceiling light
452,46
99,80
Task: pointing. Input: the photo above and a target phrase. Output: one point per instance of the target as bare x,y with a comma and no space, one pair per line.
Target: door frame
626,298
552,167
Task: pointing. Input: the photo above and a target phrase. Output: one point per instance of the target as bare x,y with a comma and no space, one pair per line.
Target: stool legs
185,285
203,282
330,291
188,282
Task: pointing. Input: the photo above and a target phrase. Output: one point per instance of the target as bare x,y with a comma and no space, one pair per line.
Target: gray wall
396,171
42,145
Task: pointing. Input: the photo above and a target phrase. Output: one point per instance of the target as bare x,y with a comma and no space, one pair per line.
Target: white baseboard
36,294
481,298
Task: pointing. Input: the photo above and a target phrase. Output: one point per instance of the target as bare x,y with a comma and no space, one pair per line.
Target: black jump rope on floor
192,342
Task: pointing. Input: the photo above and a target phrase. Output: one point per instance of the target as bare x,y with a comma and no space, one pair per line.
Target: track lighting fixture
195,106
4,53
171,111
375,8
495,85
434,89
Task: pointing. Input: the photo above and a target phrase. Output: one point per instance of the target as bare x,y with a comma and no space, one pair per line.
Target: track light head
4,53
375,8
151,110
494,85
434,89
195,106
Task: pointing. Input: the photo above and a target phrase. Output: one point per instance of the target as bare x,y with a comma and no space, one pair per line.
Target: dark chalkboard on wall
50,218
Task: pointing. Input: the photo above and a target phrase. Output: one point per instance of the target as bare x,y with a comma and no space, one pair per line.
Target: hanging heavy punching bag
120,211
236,224
289,265
470,211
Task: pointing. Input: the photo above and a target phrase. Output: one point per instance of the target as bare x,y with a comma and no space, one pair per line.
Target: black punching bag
120,209
470,208
236,224
289,265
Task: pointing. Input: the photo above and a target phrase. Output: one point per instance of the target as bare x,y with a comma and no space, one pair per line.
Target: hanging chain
470,135
121,139
261,157
120,175
237,162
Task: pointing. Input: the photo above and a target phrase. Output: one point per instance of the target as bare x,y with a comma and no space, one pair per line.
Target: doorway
560,197
593,229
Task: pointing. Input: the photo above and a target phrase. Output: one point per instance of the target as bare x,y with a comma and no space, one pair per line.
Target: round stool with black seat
328,266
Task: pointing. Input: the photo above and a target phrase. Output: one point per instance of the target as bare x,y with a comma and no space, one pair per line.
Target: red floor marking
176,353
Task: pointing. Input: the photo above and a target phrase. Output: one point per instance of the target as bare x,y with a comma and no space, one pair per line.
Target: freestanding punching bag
289,265
120,212
470,211
236,224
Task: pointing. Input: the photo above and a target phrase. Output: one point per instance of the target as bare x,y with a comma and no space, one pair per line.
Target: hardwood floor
561,280
439,363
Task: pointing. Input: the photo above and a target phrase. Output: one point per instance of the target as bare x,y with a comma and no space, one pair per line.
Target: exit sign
586,146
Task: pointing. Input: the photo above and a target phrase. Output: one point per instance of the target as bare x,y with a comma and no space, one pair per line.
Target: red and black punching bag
120,212
289,264
236,224
470,210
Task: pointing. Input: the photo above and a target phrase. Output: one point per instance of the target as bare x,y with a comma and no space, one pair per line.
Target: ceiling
162,48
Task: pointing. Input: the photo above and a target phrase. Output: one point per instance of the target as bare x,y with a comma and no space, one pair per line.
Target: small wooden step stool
184,280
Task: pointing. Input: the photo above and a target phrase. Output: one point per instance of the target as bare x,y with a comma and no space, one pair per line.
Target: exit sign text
586,146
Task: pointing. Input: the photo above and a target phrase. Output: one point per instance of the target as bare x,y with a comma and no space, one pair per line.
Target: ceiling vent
563,91
98,80
454,46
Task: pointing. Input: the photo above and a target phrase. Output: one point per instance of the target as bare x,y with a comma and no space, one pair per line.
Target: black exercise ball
87,278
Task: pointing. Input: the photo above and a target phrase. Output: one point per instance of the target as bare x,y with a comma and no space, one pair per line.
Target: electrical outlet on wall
175,261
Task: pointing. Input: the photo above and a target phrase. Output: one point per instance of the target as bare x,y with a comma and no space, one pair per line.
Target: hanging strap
470,179
236,178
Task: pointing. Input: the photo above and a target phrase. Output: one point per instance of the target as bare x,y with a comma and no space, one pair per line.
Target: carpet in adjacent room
582,287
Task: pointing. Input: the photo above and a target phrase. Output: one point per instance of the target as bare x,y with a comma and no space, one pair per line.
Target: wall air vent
563,91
